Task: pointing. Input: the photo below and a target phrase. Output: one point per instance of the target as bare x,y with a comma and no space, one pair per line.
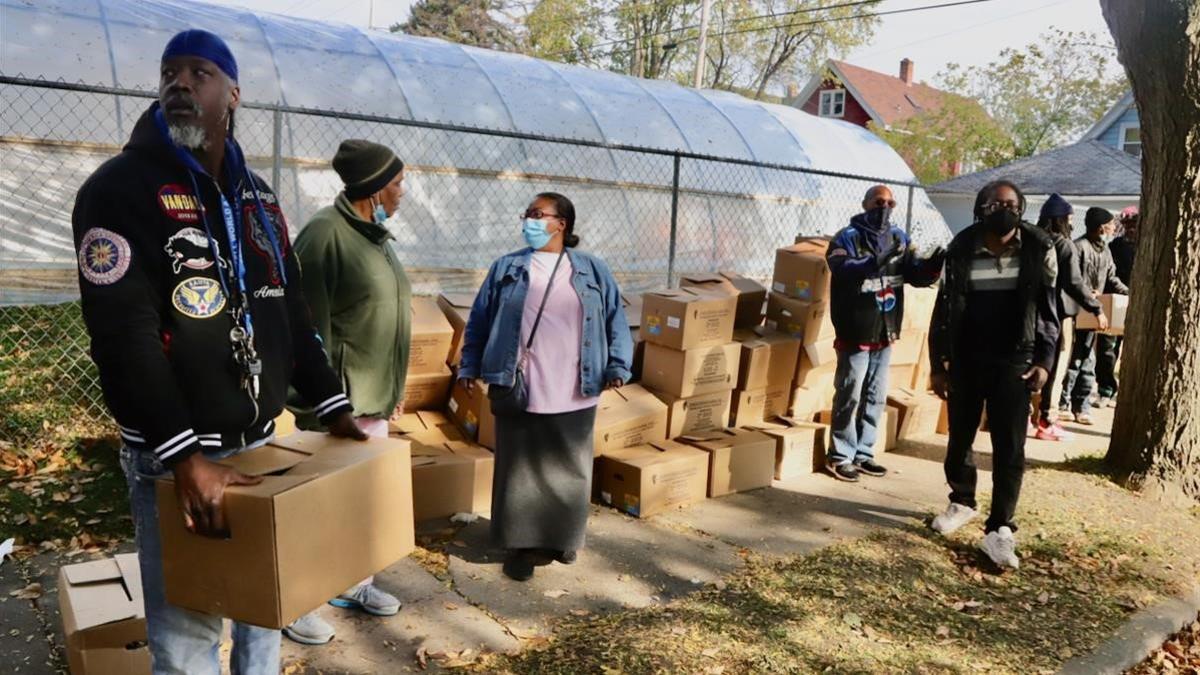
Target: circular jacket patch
103,256
198,297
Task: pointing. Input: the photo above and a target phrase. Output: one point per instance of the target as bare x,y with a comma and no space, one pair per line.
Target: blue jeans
183,641
858,402
1081,373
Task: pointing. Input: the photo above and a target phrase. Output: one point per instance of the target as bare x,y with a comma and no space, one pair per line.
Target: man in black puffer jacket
992,342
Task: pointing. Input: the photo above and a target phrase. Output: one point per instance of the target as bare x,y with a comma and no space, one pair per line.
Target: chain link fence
651,214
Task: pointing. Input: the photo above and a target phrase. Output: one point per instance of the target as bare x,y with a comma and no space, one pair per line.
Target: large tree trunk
1156,436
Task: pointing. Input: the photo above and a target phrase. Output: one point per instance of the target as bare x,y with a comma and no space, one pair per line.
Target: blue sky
971,34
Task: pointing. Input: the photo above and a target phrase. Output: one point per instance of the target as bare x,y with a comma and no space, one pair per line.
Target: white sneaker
1001,547
309,629
370,599
955,516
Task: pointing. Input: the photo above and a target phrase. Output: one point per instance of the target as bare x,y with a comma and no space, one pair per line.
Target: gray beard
187,136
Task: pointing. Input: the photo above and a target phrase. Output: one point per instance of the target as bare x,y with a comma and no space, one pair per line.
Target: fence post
908,210
276,148
674,221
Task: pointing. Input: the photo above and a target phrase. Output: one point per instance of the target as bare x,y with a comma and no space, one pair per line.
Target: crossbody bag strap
538,320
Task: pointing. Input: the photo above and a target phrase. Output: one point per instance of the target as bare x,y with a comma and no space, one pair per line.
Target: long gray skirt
543,480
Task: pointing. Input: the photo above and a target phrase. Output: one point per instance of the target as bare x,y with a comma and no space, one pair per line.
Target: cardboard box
684,374
627,417
432,337
456,307
767,360
425,426
687,318
1115,307
907,350
799,446
899,373
887,437
649,479
104,621
918,308
752,407
472,411
750,294
806,321
285,424
920,378
705,412
813,376
943,422
821,353
427,391
801,271
739,460
805,402
451,477
328,513
917,412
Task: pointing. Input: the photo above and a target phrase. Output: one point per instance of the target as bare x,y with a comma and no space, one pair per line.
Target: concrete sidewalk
627,563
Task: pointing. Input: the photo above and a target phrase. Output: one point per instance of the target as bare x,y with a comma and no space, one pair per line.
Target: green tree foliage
959,132
468,22
564,30
1046,94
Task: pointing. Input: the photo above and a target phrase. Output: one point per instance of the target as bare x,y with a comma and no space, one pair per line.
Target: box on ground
456,307
801,271
767,360
704,412
684,374
104,621
627,417
449,478
649,479
472,411
432,337
687,318
739,459
752,407
917,411
943,422
328,513
427,391
799,445
804,320
750,294
887,435
900,373
425,426
1115,306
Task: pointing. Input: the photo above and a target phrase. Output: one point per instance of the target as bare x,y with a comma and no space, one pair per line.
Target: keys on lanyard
245,355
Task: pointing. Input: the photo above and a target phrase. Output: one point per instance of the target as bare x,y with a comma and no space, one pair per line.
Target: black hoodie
158,315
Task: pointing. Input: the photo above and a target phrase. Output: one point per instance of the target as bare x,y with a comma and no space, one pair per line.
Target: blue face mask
380,215
535,233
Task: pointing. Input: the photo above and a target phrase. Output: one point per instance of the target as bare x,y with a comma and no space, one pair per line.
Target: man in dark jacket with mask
992,342
870,261
190,293
1108,347
1099,276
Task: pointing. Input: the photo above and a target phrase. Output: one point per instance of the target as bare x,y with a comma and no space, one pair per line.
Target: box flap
673,294
92,572
428,318
99,594
461,301
267,460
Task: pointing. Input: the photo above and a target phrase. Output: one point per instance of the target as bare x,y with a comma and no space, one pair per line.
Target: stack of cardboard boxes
428,382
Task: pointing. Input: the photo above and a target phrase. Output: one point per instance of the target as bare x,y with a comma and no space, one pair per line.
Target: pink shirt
552,371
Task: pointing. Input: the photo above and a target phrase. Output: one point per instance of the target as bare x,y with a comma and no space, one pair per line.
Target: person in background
190,293
555,313
1055,219
870,260
1108,347
1099,276
361,303
992,342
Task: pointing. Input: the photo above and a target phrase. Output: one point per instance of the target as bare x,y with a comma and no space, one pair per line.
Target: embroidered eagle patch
198,298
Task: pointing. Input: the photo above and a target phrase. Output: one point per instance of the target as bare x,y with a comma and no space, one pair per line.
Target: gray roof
1085,168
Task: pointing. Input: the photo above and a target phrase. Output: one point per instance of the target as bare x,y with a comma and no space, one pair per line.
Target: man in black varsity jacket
192,300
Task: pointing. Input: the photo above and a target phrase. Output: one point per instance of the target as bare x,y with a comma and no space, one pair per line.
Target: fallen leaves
31,592
555,594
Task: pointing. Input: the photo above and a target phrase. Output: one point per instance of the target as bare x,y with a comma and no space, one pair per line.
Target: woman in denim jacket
582,346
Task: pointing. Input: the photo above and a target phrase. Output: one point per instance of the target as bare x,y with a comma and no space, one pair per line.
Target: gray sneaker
370,599
309,629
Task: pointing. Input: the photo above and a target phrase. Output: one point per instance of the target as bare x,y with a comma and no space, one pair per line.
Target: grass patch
907,600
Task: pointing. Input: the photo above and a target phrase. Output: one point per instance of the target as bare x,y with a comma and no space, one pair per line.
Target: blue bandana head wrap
203,44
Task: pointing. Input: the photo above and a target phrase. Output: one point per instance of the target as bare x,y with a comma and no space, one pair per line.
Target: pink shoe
1046,434
1061,433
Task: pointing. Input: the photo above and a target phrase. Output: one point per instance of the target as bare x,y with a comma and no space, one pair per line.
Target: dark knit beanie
365,167
1056,207
205,45
1096,217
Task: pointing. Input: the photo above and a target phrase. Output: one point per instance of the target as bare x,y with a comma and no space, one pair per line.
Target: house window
1131,139
833,103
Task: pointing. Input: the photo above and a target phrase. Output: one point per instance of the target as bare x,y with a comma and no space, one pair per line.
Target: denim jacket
492,341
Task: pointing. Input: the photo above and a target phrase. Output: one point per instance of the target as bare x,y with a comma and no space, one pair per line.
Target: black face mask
878,217
1001,222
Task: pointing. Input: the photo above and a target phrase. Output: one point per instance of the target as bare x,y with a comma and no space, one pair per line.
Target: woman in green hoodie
361,301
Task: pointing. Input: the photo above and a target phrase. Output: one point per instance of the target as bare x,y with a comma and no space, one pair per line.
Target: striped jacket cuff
182,445
332,407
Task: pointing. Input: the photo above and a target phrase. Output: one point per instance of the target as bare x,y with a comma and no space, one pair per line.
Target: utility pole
704,10
371,14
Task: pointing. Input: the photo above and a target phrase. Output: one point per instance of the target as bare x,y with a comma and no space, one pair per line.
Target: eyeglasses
538,214
994,206
890,203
